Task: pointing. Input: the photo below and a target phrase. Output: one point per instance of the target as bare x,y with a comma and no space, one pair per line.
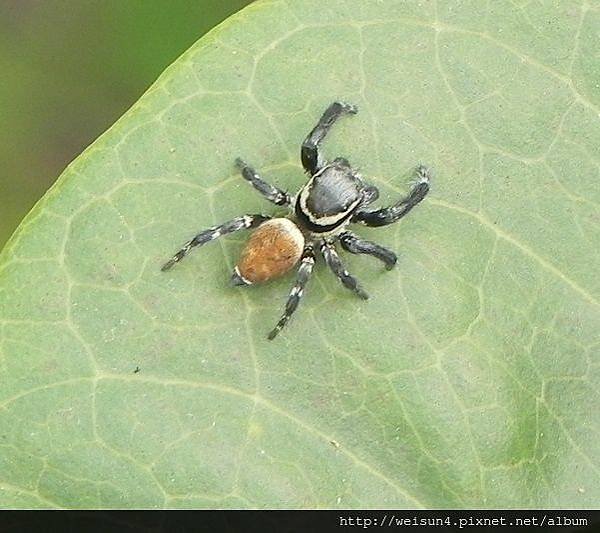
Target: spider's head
329,198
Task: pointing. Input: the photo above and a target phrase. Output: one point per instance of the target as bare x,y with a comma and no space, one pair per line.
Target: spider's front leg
389,215
335,264
243,222
307,262
270,192
311,159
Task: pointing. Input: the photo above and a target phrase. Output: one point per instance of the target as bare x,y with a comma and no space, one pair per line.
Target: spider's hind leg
243,222
304,271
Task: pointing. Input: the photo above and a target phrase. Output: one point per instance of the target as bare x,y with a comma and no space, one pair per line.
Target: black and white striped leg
306,265
243,222
335,264
270,192
311,159
389,215
355,245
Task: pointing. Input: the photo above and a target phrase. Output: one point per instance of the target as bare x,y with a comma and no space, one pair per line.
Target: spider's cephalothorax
334,196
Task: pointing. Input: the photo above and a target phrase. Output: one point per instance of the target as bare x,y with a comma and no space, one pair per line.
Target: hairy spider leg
389,215
238,223
304,270
270,192
335,264
311,158
355,245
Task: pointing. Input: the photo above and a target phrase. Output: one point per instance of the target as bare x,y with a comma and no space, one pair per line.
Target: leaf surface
471,376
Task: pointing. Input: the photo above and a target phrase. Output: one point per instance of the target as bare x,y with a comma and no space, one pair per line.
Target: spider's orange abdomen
272,250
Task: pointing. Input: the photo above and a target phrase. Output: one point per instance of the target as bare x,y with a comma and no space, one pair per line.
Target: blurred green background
69,69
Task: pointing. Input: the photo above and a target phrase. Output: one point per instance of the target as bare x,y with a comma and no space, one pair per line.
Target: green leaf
470,378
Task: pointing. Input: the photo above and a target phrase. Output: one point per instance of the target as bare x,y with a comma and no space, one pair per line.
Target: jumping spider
334,196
